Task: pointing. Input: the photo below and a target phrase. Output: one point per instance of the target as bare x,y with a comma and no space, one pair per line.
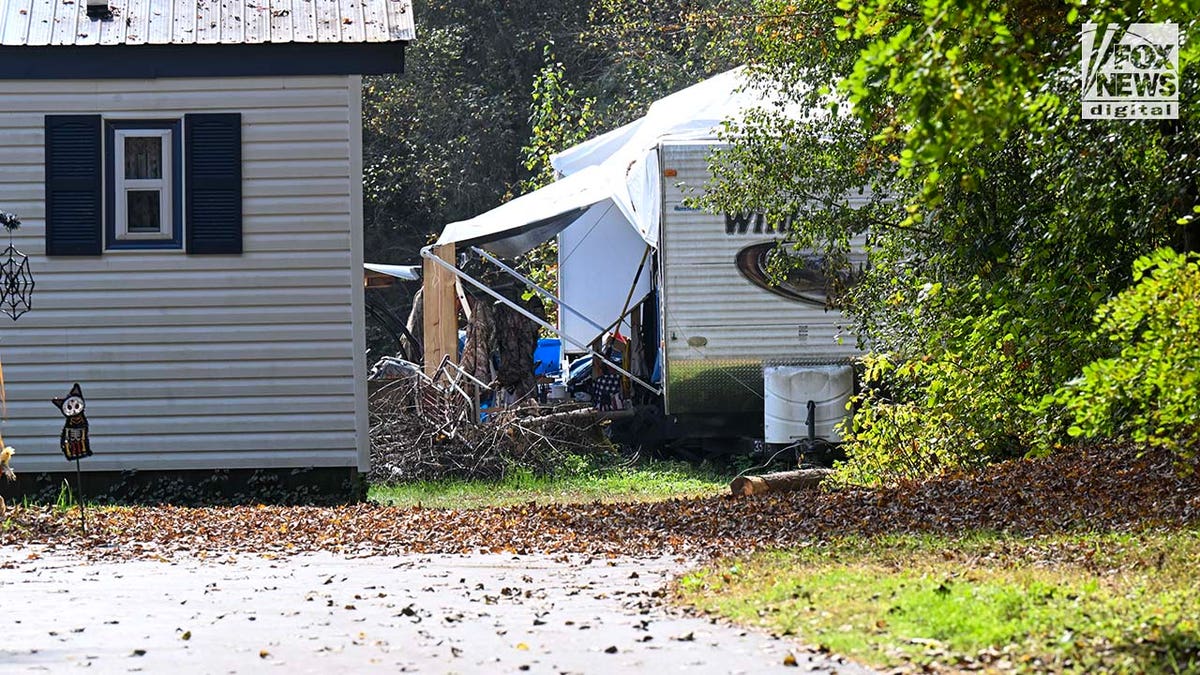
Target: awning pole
429,255
538,289
629,298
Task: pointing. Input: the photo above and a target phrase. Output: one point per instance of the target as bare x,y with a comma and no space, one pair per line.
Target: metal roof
187,22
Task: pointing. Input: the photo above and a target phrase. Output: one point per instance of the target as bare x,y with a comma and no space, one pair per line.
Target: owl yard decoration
74,438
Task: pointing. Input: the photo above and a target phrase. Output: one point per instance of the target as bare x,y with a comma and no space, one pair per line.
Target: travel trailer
714,347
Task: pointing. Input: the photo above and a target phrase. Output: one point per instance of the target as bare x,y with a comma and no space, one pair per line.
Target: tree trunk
416,326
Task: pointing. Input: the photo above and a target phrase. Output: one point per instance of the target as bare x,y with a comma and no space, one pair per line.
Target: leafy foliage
1151,389
996,219
558,118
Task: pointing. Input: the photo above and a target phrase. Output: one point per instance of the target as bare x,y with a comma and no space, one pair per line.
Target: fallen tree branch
418,435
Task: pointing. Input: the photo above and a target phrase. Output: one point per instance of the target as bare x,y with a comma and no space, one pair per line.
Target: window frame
170,186
122,185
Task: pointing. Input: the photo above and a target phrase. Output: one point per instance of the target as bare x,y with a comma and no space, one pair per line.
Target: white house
189,176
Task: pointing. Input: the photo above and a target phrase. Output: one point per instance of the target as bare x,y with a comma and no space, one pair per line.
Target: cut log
784,481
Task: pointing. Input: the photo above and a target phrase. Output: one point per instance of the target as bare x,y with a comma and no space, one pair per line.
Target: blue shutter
73,185
213,179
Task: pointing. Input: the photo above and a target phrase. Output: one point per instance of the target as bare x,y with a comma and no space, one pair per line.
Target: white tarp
630,155
598,260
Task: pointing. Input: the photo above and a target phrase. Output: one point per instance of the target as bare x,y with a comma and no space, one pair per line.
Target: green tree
1150,391
558,118
1000,219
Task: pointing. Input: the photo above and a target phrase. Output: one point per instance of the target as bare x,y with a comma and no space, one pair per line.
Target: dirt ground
325,613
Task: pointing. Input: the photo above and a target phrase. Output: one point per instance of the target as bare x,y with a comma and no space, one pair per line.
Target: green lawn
649,482
1102,603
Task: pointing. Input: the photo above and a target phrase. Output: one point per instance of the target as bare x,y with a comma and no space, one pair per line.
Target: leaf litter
1097,489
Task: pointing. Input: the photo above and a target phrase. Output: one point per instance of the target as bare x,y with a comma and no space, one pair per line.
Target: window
143,184
143,196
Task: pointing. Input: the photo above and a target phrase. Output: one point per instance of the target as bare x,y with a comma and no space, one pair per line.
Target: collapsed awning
519,225
405,272
617,171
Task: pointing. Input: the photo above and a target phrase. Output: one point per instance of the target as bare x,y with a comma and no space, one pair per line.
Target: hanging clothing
481,334
517,340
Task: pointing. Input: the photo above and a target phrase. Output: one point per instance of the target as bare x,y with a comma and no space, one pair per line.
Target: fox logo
1130,72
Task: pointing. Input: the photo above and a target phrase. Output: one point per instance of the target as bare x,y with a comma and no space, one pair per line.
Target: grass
652,481
1074,603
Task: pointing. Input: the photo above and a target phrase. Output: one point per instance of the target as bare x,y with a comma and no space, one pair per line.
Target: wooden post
441,318
79,494
635,339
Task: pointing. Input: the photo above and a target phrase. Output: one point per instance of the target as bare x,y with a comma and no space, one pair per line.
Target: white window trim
163,185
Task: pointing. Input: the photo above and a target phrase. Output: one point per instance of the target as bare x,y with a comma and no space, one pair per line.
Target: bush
1150,392
972,394
922,416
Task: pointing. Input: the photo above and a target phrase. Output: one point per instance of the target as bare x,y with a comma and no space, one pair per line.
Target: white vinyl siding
198,361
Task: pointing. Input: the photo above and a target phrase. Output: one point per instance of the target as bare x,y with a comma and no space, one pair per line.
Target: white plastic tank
788,389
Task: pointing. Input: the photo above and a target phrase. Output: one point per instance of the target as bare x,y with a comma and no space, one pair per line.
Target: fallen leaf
1105,487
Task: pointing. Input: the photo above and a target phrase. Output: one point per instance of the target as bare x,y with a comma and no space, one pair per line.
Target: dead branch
419,433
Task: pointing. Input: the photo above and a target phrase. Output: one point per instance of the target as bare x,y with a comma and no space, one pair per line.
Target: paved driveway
321,613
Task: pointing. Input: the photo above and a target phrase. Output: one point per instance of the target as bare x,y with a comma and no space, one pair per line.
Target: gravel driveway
323,613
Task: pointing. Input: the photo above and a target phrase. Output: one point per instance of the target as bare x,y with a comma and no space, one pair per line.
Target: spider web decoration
16,291
16,286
